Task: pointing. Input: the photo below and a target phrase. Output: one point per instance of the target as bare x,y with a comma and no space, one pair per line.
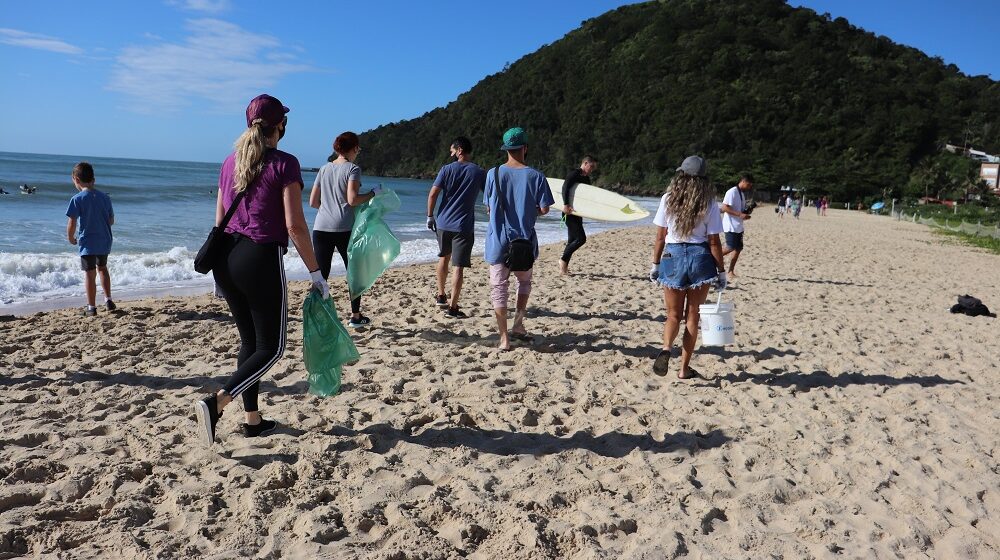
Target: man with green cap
515,196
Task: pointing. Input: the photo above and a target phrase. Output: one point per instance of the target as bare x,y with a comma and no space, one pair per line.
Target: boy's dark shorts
90,262
734,240
458,245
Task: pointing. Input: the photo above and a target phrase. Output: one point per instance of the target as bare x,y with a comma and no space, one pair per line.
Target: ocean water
163,211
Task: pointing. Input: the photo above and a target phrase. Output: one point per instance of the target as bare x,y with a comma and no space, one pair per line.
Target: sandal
661,363
692,373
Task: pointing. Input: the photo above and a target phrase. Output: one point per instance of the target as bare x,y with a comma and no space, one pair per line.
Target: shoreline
193,289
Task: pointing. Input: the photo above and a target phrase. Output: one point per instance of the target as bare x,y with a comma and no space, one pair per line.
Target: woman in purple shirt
251,274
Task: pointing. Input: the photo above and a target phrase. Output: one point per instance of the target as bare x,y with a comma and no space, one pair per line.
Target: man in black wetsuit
574,224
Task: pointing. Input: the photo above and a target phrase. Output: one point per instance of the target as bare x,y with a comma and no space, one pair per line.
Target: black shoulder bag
520,254
208,256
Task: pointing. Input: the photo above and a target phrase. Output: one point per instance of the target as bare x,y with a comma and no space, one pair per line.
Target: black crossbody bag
209,254
520,254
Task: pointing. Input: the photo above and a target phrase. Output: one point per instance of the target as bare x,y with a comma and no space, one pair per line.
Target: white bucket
717,325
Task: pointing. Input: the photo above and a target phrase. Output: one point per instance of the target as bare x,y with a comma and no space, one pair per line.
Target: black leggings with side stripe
252,280
324,245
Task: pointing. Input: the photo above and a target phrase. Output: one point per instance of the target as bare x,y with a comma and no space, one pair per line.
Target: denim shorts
687,265
734,240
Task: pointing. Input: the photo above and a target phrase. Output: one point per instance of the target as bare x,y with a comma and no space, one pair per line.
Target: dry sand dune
854,418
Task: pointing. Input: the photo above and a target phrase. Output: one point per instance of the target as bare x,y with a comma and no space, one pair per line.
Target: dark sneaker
111,305
361,321
456,313
265,427
208,417
89,311
441,301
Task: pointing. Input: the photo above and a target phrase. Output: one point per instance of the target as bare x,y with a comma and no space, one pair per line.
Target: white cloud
35,41
207,6
219,62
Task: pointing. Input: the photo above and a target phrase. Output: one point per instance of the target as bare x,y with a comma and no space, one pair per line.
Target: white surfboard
597,203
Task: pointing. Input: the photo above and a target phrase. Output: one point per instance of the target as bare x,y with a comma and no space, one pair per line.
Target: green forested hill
793,96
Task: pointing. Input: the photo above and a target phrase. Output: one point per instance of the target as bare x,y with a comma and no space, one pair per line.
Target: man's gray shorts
456,244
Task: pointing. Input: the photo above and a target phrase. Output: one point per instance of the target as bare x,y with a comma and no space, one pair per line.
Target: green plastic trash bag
372,247
326,346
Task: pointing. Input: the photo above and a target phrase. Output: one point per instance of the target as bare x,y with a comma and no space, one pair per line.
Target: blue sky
169,79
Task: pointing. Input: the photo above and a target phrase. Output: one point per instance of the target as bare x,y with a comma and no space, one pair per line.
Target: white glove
431,223
654,273
722,281
319,284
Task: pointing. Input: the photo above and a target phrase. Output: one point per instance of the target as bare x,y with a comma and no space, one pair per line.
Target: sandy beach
854,418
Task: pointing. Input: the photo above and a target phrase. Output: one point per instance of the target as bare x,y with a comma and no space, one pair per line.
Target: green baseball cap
514,139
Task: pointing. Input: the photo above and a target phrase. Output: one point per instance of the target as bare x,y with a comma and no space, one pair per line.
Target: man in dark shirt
459,184
574,224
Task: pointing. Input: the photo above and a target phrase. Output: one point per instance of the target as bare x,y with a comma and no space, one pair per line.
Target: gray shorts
90,262
456,244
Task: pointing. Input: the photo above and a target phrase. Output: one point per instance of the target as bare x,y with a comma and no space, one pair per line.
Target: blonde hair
250,149
688,198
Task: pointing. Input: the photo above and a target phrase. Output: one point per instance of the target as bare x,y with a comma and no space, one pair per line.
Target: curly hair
688,198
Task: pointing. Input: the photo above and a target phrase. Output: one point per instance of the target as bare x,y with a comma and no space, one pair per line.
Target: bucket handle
718,303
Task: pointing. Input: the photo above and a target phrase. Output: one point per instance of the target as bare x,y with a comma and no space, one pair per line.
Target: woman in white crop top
687,256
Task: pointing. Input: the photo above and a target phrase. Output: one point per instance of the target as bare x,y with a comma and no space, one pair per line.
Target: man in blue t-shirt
93,210
522,195
459,184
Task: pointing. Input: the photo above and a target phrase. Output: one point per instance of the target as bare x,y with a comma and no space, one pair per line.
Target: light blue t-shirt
524,191
94,213
460,183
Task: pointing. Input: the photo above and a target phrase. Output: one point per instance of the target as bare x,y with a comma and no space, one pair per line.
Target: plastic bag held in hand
654,273
326,346
432,223
373,246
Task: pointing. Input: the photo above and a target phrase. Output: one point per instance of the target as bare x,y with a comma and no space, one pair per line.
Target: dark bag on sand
520,254
971,306
208,256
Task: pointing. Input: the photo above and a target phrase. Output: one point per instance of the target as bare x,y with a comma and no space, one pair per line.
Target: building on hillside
990,173
971,153
983,156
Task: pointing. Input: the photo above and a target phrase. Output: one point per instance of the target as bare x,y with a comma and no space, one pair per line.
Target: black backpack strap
503,213
232,209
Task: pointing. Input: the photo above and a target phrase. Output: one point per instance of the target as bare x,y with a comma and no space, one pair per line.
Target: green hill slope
788,94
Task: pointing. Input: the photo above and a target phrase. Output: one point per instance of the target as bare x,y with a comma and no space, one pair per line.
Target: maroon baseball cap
266,107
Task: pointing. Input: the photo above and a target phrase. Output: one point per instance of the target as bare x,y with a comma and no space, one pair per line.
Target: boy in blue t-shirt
93,209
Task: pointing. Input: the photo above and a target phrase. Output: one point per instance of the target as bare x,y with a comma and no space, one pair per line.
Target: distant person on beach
575,234
335,193
818,203
781,206
251,273
96,216
826,204
458,184
514,204
796,206
689,223
788,204
733,215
